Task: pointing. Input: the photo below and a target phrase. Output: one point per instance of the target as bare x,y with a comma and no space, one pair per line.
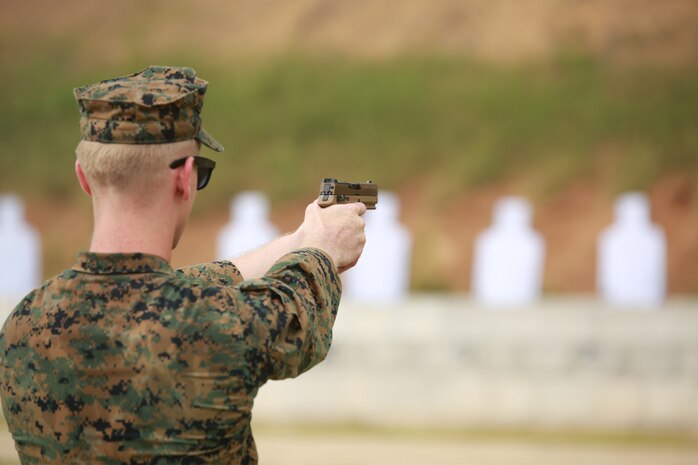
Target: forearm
294,308
256,263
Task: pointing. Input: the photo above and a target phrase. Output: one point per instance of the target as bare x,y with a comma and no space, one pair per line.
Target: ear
82,179
183,182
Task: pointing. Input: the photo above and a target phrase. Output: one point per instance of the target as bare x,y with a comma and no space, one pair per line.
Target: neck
122,226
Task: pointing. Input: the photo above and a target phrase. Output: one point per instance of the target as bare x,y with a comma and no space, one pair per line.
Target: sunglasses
204,168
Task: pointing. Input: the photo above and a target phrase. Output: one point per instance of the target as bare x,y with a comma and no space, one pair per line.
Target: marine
122,359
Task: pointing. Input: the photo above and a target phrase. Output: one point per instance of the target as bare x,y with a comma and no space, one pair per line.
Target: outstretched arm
338,230
256,263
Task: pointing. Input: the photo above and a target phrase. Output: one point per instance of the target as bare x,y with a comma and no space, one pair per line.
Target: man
121,359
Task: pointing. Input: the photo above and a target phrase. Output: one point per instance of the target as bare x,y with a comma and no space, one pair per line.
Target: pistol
333,192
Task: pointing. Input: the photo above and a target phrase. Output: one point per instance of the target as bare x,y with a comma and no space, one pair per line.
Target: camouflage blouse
122,359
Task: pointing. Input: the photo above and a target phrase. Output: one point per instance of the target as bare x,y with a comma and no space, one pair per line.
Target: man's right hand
338,230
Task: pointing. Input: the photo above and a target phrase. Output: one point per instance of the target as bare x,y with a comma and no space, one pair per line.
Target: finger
347,267
362,240
360,208
312,206
361,223
344,208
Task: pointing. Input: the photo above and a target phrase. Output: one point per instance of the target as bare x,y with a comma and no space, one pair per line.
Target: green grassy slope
290,121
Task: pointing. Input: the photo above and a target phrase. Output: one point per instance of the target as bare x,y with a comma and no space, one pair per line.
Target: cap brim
206,139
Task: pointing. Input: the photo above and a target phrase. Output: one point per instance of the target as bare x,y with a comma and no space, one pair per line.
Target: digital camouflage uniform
160,104
121,359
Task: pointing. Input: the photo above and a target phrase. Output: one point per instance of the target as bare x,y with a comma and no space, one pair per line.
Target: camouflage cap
160,104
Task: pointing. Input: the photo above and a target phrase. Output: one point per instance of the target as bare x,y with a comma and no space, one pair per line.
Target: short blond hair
127,166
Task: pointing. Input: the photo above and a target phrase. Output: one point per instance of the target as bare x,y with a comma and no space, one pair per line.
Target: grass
290,121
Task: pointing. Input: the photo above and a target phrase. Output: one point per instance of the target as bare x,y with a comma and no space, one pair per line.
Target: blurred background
451,106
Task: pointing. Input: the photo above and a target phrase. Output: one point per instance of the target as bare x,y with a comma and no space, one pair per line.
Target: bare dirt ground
569,221
276,448
500,30
366,450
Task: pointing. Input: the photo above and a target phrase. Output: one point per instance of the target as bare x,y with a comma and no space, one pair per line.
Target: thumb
360,208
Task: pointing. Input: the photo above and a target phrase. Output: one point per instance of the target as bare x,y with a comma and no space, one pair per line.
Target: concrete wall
443,361
570,364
